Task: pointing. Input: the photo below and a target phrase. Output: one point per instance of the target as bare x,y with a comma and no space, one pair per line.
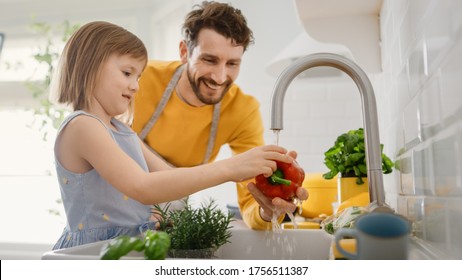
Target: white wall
421,107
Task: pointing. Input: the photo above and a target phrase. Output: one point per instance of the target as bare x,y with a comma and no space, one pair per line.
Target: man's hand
276,207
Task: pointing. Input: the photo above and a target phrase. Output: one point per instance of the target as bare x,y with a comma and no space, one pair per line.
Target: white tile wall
316,111
422,67
420,116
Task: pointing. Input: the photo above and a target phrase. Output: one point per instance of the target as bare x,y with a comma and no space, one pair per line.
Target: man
186,110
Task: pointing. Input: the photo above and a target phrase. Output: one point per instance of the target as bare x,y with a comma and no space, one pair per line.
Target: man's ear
183,51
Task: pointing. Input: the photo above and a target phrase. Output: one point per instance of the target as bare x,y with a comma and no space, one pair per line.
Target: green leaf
46,56
348,155
329,175
120,246
362,168
341,168
156,245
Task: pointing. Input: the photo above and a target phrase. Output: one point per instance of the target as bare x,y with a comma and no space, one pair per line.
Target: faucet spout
370,120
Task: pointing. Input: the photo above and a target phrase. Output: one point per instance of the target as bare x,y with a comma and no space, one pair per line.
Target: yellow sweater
181,133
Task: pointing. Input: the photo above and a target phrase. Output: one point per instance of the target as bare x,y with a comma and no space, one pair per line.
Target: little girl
108,178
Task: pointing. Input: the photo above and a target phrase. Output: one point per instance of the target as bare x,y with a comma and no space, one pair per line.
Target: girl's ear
183,51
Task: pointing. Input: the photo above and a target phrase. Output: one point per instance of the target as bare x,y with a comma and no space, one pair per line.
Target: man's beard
204,99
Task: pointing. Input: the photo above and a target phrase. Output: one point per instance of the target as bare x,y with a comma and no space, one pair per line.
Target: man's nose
220,74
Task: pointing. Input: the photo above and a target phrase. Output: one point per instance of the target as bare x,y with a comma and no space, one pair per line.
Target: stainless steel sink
246,244
296,244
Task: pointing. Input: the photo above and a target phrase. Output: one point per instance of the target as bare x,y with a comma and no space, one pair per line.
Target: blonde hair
84,53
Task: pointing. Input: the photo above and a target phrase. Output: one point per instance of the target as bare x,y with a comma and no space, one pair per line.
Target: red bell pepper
283,182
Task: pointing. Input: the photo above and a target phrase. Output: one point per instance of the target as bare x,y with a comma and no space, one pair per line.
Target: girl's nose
134,85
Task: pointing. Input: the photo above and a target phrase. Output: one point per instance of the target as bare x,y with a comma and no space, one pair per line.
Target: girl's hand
256,161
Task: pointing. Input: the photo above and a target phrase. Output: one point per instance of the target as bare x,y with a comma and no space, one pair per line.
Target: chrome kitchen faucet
370,120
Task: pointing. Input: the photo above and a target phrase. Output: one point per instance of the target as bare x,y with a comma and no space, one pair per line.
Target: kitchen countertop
245,244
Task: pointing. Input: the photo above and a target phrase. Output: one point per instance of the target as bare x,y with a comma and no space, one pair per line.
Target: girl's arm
85,141
155,163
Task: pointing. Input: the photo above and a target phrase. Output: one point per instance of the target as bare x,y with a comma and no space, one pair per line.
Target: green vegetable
120,246
343,219
348,157
330,228
154,243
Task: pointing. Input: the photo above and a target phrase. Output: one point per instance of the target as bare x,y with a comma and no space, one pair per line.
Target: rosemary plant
195,228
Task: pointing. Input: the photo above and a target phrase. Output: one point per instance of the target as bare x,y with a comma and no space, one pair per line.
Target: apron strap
213,132
163,102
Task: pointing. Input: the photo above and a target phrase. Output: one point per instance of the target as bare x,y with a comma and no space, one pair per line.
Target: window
17,62
29,192
2,38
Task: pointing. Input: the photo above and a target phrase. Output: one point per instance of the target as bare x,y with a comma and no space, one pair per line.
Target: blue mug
379,236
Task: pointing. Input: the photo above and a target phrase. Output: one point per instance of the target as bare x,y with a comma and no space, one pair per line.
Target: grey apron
163,102
178,204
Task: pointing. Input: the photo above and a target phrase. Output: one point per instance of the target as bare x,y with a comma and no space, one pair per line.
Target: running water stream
276,227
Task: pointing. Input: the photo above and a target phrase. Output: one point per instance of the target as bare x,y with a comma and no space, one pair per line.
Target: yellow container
349,188
301,225
322,193
361,199
348,245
